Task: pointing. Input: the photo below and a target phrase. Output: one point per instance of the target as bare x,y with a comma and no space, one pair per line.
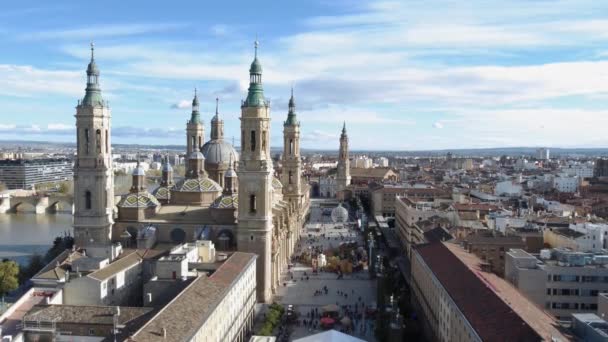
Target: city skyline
399,74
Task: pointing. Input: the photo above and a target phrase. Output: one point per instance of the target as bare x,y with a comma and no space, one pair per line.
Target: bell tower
93,172
195,131
254,232
343,177
292,164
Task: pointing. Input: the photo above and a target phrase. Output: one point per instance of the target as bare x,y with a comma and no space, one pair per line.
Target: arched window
98,140
263,141
290,177
290,147
252,204
107,143
243,140
87,200
86,140
252,141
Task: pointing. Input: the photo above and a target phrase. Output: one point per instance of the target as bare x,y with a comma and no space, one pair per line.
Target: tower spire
291,113
93,92
255,94
195,118
255,45
217,106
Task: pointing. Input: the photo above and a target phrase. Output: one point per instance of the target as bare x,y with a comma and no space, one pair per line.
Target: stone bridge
36,203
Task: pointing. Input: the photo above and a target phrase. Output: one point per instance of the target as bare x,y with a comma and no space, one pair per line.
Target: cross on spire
217,105
255,45
92,51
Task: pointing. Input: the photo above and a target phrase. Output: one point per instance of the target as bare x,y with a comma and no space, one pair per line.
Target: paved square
356,289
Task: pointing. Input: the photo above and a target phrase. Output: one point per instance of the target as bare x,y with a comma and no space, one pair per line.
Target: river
24,234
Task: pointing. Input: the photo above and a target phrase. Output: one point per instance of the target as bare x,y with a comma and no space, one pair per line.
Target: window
91,332
242,140
252,204
86,140
107,144
87,200
290,177
252,141
263,141
290,147
98,140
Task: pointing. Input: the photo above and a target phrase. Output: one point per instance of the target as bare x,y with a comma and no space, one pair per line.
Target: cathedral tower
195,131
217,124
292,164
93,173
343,177
255,174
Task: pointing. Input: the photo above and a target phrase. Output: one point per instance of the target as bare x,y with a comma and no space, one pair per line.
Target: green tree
60,244
9,273
35,265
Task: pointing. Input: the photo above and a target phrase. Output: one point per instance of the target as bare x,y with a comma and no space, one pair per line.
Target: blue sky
404,75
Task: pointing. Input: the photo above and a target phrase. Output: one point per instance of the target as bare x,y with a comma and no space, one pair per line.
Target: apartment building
561,281
27,173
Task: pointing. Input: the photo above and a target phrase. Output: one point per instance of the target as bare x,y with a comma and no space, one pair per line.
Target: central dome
219,151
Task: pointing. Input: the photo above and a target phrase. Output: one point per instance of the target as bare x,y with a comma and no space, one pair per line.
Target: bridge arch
60,206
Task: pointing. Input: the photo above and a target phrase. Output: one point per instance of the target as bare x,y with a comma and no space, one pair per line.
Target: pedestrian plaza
354,294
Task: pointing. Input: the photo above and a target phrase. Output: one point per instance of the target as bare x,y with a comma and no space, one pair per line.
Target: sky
403,75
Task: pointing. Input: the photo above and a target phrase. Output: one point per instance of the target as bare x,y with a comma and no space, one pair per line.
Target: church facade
236,200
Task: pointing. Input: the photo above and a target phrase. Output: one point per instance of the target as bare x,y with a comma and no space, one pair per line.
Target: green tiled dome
197,185
138,200
226,202
162,193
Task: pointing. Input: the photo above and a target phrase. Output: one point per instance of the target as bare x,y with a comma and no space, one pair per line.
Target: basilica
236,200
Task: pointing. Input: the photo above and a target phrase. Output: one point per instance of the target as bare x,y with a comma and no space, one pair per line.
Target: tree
9,273
35,265
60,244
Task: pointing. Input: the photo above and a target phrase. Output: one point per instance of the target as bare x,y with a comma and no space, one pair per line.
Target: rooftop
184,315
541,321
121,264
569,233
378,172
494,320
494,240
82,314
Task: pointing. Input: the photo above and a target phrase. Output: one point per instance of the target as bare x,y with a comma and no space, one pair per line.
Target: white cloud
59,127
319,136
220,30
183,104
100,31
438,124
25,80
